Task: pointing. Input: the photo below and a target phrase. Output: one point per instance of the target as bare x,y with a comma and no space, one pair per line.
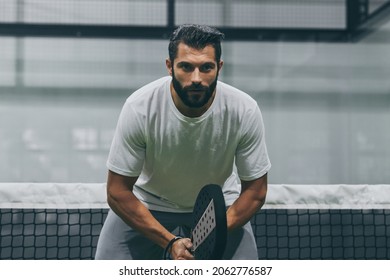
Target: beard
195,95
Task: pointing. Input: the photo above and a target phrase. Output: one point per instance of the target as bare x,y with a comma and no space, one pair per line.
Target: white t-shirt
175,156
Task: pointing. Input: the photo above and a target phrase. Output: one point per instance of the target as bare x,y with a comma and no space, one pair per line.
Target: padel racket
209,230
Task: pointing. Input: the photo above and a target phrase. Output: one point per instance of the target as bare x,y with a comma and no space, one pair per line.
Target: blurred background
319,70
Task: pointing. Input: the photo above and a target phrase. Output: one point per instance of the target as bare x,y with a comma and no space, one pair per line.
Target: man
174,136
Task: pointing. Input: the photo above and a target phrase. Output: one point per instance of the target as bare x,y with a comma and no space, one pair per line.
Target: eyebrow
185,63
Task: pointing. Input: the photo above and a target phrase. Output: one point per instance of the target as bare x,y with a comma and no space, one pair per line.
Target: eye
207,67
186,67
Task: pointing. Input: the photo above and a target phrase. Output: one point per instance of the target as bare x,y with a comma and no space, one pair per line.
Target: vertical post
19,47
171,14
352,15
357,13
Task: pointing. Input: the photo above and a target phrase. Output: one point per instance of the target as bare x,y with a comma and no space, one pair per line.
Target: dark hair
197,37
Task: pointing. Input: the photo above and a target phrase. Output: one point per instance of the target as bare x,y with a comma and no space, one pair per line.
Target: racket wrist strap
169,246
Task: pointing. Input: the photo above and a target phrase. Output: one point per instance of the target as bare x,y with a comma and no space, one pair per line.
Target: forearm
130,209
136,215
251,199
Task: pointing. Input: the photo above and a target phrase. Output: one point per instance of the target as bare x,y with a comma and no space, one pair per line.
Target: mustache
195,87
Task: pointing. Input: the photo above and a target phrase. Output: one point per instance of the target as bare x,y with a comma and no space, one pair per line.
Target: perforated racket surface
209,224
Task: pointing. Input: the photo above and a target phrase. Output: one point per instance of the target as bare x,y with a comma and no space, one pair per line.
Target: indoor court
319,70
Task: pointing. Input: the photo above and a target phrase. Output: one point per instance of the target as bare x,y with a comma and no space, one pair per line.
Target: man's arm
252,198
127,206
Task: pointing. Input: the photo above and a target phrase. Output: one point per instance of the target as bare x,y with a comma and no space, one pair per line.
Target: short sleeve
127,152
252,159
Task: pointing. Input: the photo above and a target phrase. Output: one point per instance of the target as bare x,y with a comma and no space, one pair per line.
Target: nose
195,78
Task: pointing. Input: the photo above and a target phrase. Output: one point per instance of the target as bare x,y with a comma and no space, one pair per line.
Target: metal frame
356,17
156,32
370,23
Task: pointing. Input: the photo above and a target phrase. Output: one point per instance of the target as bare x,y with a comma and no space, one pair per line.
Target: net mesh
50,233
310,231
323,234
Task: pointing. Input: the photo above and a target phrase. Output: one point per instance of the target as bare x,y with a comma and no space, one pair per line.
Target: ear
169,65
220,65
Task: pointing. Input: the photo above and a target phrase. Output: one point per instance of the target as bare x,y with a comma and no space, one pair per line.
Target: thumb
187,243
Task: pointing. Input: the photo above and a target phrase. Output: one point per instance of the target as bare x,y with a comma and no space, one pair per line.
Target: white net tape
93,195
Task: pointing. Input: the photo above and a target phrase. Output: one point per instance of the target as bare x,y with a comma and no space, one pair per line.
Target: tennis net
63,221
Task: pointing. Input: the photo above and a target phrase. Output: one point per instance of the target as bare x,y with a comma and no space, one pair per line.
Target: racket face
209,224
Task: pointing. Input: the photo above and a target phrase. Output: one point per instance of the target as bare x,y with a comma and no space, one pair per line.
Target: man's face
194,75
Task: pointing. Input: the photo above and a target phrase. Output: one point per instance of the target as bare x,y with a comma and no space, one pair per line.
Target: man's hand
181,249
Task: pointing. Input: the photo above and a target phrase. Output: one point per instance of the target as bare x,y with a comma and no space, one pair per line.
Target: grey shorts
118,241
